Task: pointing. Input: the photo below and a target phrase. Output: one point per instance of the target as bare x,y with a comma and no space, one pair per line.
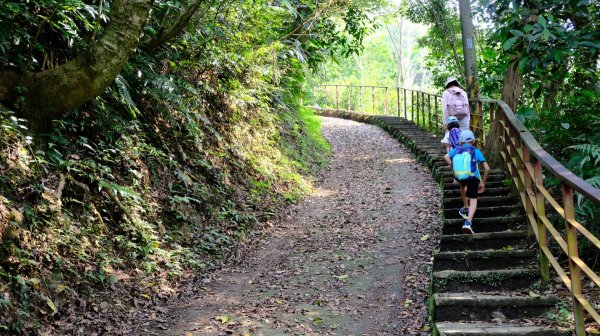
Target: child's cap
450,120
466,136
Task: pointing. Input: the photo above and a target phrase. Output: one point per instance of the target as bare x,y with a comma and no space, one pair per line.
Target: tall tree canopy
75,49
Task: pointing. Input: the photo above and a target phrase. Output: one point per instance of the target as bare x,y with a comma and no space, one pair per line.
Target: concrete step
450,281
448,172
448,185
482,307
486,211
488,329
503,191
492,178
483,260
482,200
484,240
486,224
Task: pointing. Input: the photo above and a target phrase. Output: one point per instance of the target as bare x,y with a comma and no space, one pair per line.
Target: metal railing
423,108
529,166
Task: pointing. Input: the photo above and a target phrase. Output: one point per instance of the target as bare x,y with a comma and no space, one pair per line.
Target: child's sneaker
467,227
464,213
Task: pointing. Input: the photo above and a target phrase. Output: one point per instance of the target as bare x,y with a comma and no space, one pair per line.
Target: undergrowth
158,177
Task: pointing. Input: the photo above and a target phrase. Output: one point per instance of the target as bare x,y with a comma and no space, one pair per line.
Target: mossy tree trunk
511,92
50,93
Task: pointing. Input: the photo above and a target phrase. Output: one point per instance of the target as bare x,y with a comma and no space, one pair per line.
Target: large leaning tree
44,95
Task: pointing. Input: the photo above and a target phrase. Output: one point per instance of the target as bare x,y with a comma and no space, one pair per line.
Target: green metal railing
424,108
528,164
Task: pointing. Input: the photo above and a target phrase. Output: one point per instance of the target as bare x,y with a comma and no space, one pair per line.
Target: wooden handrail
560,171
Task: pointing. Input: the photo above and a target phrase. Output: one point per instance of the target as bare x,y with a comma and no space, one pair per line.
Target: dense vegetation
143,139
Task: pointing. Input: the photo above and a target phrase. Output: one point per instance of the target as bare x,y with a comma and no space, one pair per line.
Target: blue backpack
464,165
453,135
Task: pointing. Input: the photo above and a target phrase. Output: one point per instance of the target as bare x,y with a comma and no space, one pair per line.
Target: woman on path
455,103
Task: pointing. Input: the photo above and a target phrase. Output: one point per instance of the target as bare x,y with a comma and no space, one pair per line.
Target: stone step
503,191
492,178
486,224
448,172
488,329
450,281
508,240
486,211
482,307
448,185
483,260
476,266
482,199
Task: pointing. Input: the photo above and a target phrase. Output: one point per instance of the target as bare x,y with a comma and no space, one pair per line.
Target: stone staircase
481,283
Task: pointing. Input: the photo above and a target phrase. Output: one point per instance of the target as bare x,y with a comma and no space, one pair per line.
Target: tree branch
177,28
50,93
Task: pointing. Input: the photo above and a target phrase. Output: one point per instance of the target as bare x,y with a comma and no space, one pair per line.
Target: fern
592,152
595,182
118,189
125,96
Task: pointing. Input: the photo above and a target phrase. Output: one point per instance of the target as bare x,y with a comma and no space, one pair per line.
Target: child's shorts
472,184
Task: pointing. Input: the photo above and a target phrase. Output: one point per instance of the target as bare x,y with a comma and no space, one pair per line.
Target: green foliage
39,34
574,138
442,40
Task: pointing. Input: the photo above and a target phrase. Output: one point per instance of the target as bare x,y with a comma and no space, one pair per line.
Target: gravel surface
353,258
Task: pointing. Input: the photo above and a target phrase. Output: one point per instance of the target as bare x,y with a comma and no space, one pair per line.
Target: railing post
336,98
512,154
419,108
423,109
387,106
360,100
540,206
373,99
416,121
398,100
348,92
412,106
569,208
429,112
437,116
527,189
404,101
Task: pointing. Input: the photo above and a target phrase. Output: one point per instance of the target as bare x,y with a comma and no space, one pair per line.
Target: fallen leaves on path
351,259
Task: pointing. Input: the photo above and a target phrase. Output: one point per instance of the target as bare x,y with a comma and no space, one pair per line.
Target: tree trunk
554,86
50,93
512,87
511,92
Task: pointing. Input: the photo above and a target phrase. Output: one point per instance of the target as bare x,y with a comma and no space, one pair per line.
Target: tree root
120,205
86,191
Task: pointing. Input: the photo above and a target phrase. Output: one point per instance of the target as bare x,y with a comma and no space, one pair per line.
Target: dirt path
352,259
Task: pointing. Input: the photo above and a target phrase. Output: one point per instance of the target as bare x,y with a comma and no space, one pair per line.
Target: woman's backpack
458,103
